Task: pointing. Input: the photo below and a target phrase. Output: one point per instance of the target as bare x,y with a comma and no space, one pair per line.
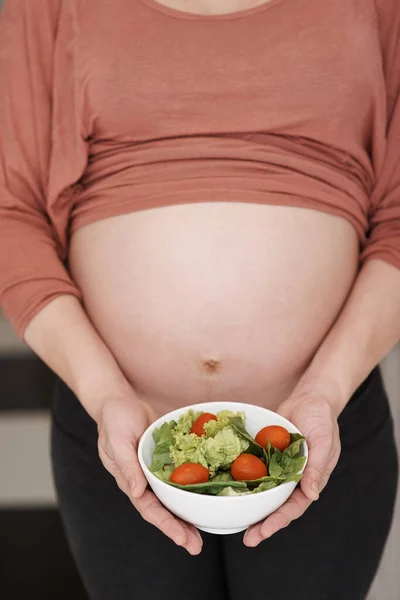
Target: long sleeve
384,235
43,152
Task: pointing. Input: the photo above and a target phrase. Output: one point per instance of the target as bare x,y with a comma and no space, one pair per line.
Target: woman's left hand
315,417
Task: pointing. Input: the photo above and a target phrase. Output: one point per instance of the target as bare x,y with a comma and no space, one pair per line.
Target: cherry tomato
198,425
248,466
190,473
278,436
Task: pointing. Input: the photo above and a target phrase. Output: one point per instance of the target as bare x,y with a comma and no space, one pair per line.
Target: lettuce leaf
214,453
164,473
223,476
186,421
163,438
223,420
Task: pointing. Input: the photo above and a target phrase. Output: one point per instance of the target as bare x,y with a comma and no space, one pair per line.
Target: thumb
150,412
285,410
126,459
319,451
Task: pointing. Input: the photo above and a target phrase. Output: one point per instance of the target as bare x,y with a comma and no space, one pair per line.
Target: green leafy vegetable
264,486
230,491
269,451
275,468
222,476
224,441
254,448
267,479
164,473
186,421
214,453
163,438
211,487
294,477
223,420
295,444
286,463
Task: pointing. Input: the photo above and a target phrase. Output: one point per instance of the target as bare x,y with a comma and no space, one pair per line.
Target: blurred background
34,557
35,562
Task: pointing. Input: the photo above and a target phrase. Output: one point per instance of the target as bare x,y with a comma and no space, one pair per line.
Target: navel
211,366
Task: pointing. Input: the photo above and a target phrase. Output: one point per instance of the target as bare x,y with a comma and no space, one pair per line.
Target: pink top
113,107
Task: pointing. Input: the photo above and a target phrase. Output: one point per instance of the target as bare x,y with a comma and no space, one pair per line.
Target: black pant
332,552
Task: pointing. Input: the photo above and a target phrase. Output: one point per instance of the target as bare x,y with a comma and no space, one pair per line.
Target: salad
215,454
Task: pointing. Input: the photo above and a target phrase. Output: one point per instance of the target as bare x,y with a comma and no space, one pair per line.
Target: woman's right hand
122,420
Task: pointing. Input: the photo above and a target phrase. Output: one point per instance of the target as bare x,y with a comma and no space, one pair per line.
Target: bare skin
221,7
214,301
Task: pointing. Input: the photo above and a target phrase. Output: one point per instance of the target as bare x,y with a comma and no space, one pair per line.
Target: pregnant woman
201,201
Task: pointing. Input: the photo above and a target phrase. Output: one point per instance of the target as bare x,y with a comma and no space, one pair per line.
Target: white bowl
218,514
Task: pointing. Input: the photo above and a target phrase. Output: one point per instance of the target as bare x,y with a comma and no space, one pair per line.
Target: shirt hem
94,212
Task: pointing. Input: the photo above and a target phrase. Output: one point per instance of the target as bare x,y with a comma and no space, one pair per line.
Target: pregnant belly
214,301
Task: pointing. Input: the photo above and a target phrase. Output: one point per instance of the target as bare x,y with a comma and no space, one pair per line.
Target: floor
34,559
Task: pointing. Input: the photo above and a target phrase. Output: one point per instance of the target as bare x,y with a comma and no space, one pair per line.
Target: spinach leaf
269,451
274,480
275,468
264,486
288,462
294,477
254,448
163,438
290,465
211,487
294,448
266,479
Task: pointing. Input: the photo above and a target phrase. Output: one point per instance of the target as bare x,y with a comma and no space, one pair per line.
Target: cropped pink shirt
109,107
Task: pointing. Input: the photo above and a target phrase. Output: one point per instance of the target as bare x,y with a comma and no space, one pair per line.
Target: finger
126,459
319,457
112,468
194,539
150,412
324,481
152,511
282,517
